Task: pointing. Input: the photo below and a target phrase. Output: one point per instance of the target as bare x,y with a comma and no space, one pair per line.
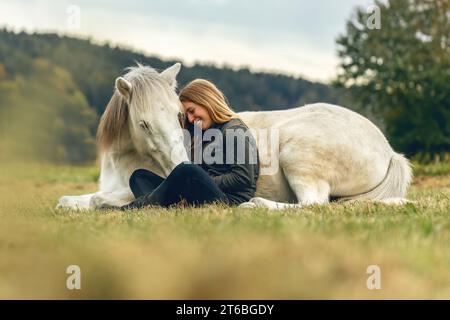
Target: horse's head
150,105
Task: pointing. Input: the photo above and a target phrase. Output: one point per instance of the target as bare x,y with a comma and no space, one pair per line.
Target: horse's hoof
97,202
100,203
67,206
398,201
248,205
261,202
60,207
64,203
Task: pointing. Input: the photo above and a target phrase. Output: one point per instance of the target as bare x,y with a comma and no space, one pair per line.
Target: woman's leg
143,182
187,181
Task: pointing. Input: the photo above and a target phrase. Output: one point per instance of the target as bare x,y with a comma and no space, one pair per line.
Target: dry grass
217,252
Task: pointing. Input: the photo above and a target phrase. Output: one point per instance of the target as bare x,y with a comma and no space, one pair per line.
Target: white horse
140,128
323,151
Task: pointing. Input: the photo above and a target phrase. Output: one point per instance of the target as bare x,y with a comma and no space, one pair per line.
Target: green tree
44,116
402,71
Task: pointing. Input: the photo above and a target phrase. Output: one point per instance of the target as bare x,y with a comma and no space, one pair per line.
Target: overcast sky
289,36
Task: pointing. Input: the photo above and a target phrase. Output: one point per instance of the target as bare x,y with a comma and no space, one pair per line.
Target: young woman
228,167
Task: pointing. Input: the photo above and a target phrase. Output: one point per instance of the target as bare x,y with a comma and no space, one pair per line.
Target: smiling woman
197,115
231,182
202,101
143,156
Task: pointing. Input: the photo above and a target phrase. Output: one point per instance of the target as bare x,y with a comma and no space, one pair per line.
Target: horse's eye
144,125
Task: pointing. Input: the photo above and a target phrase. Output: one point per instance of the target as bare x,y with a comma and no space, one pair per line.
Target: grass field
218,252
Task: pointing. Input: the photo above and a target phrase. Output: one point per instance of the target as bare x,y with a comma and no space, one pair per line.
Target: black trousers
187,181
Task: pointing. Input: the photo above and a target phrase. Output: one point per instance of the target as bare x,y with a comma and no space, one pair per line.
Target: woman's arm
242,171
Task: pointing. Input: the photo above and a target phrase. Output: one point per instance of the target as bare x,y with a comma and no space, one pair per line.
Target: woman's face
197,114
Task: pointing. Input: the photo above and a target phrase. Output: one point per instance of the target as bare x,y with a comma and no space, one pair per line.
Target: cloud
295,37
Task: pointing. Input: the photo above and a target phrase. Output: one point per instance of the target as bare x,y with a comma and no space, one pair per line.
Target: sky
293,37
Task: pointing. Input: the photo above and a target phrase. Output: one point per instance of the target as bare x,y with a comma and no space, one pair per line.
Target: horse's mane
112,122
145,80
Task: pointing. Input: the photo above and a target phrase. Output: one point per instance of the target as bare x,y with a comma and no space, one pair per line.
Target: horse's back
341,146
321,124
328,142
316,111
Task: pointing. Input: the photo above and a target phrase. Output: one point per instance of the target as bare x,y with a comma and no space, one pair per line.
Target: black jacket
230,157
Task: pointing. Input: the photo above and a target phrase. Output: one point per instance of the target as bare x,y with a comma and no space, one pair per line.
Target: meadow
217,252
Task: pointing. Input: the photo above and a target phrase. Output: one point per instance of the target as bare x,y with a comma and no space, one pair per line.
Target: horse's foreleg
96,200
75,202
116,198
308,190
265,203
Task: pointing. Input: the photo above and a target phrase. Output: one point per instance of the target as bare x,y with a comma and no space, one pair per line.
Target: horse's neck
126,157
123,145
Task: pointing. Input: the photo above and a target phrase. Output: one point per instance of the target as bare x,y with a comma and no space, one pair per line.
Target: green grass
218,252
433,169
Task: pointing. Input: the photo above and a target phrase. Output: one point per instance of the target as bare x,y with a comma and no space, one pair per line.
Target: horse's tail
394,184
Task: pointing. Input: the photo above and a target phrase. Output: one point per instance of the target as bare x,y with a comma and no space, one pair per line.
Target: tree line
54,88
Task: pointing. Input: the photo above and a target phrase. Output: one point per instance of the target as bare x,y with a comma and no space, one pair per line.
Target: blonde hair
207,95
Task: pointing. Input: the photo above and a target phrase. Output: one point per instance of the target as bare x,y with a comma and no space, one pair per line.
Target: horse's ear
124,87
170,74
